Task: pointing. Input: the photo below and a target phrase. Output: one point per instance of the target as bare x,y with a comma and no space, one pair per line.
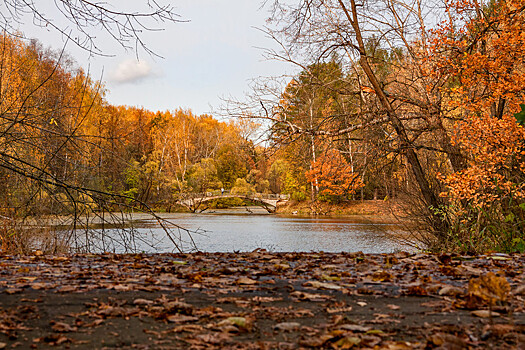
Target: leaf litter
263,300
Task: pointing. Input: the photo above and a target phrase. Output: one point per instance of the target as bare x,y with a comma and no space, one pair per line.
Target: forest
416,103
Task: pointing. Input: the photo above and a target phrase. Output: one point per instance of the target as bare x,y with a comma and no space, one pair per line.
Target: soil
262,300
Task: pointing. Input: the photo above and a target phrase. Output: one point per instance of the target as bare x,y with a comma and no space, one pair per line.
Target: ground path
262,300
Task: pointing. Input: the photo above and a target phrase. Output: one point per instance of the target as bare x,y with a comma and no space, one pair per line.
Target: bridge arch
268,202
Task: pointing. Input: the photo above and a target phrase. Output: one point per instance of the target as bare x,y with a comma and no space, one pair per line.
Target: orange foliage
484,46
333,175
496,162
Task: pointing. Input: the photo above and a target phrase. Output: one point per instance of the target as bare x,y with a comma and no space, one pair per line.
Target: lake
246,229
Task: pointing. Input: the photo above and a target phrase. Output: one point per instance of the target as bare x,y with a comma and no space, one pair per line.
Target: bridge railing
218,193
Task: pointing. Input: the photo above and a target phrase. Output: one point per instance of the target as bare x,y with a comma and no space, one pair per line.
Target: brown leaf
339,309
322,285
246,280
417,290
141,301
355,328
181,318
520,290
382,276
241,323
489,288
67,289
450,291
485,313
309,296
215,338
447,341
179,306
62,327
287,326
13,290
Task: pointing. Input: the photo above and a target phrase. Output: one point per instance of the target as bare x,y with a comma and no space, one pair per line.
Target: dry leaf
323,285
246,280
490,288
287,326
485,313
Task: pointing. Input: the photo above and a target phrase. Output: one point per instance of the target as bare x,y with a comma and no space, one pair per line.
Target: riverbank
388,209
262,300
379,208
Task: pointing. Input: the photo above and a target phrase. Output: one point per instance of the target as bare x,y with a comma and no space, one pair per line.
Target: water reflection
236,231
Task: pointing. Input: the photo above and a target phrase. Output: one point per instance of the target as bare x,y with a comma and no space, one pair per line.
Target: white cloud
131,71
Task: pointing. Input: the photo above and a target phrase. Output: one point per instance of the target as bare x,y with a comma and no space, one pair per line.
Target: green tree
203,176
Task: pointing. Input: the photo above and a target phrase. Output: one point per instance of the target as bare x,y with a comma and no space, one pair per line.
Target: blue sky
214,55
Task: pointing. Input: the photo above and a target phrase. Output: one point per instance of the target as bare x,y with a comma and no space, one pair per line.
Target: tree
80,21
203,176
334,176
484,47
394,92
50,153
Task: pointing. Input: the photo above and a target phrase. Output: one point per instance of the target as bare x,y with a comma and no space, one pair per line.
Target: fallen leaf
141,301
178,306
13,290
67,289
346,343
323,285
447,341
520,290
287,326
485,313
281,267
214,338
181,318
62,327
339,309
355,328
240,322
259,299
246,280
490,288
26,279
416,290
309,296
39,285
382,276
330,278
393,307
451,291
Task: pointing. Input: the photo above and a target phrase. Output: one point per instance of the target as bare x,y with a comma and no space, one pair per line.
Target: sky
212,56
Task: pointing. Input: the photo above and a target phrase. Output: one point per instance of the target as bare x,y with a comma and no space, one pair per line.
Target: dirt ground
262,300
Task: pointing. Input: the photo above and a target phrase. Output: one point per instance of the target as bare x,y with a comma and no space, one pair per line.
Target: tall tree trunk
430,198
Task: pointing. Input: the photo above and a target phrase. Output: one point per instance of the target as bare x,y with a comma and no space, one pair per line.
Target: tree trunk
430,198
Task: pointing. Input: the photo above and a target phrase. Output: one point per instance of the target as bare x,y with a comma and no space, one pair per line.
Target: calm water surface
238,230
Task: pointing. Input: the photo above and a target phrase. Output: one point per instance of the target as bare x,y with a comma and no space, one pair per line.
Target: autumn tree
482,45
391,92
334,176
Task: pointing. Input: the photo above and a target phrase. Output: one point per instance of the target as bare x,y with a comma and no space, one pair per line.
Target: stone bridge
267,201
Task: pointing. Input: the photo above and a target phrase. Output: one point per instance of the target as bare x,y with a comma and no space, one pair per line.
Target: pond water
247,229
